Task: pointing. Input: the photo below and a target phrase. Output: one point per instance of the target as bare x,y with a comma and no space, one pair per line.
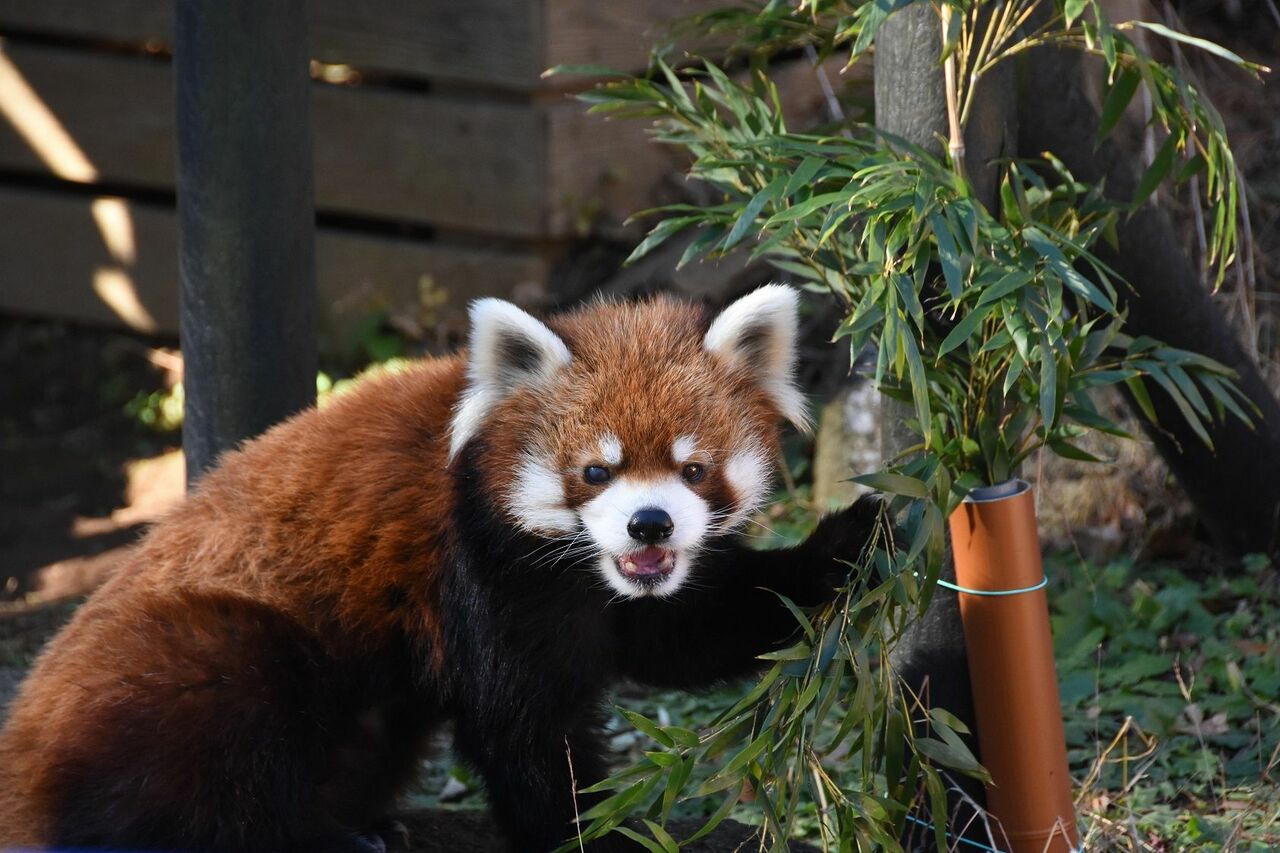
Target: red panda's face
631,433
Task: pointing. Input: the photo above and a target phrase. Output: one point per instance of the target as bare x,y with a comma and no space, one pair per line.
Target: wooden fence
443,162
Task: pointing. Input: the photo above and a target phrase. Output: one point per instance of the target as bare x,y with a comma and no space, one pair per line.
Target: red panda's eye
596,474
693,473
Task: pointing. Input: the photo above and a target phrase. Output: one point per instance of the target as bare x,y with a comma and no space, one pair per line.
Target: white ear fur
758,332
507,348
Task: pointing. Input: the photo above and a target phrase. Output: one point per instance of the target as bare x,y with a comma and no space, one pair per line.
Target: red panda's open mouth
648,564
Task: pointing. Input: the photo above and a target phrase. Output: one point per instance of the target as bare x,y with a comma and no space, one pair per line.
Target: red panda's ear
758,333
507,349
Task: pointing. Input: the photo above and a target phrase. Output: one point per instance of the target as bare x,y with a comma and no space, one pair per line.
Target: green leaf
702,243
1058,263
1204,44
1067,450
644,725
658,235
1010,282
1188,413
1156,172
800,651
588,70
686,738
962,331
644,841
894,484
873,16
1143,399
731,773
943,717
1072,9
796,612
948,255
1118,98
949,755
1218,388
717,817
808,167
809,205
919,384
1048,384
747,219
1189,389
676,781
663,837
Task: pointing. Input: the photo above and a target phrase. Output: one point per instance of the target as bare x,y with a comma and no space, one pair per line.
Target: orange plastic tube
1015,685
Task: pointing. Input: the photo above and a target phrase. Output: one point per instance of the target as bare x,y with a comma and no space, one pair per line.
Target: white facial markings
537,498
610,449
683,449
607,514
748,472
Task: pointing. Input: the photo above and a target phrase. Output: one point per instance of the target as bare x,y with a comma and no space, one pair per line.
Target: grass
1170,685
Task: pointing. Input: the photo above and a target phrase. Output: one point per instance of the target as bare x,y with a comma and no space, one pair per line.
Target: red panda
488,539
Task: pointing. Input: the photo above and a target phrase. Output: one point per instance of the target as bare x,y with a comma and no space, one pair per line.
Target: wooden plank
505,43
526,170
67,256
473,164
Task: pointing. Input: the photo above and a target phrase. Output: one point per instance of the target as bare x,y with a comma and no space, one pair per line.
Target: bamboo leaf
1067,450
894,484
1188,413
1142,397
963,330
643,724
717,817
948,255
1048,384
1203,44
1072,9
747,219
658,235
1117,100
919,384
662,837
643,840
1156,172
949,755
808,167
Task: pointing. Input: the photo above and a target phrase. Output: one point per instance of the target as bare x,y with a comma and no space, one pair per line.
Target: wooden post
246,220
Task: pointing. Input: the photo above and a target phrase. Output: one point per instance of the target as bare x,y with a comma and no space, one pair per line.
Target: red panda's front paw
843,538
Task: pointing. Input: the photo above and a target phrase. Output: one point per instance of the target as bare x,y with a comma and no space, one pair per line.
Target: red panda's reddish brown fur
324,519
274,655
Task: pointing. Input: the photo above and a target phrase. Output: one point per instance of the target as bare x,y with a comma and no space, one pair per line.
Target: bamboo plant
998,327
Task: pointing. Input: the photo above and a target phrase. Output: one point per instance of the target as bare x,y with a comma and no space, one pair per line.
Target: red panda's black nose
650,525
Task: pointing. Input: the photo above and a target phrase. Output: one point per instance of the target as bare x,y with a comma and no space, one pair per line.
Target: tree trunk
910,102
247,257
1236,486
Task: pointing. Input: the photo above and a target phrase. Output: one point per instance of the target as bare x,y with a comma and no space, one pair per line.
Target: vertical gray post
911,102
246,220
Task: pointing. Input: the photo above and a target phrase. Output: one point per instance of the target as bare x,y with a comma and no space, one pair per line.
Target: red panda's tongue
648,562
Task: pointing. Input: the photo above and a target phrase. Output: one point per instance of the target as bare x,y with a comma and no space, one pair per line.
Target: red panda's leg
714,628
204,722
531,777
